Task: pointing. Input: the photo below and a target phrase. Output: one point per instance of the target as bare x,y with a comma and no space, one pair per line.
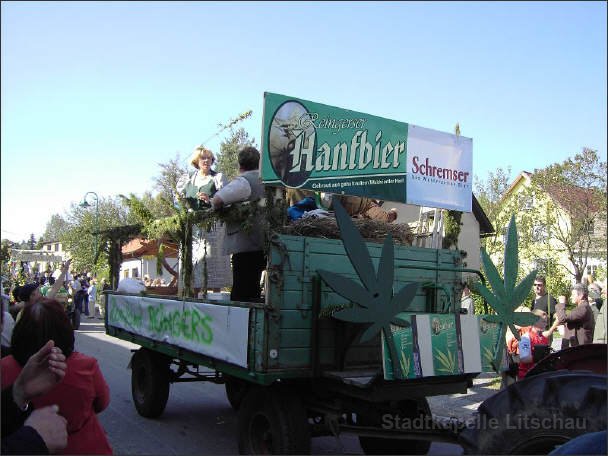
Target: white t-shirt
7,329
467,303
75,285
92,291
236,191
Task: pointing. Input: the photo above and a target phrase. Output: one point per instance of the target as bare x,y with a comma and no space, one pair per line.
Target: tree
561,213
452,219
55,228
577,219
5,257
79,238
490,191
158,205
166,184
32,242
228,159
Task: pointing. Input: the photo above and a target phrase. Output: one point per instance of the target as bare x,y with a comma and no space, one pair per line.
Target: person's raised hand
43,371
51,426
204,197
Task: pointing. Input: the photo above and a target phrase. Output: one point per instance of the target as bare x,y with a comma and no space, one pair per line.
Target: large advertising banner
327,149
218,331
323,148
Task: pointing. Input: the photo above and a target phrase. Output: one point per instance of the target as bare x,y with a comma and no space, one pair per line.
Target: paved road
198,418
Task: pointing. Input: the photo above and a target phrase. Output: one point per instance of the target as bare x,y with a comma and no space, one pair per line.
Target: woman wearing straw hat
202,184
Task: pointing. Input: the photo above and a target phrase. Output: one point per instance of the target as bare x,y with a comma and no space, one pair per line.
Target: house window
588,227
56,247
135,272
540,233
48,247
526,202
125,273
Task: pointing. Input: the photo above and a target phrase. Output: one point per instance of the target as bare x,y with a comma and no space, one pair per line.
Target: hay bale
371,230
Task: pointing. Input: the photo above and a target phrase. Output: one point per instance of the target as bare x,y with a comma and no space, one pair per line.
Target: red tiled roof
139,247
575,200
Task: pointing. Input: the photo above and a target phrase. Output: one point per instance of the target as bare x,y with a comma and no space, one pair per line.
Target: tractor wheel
149,382
537,414
236,389
273,421
376,445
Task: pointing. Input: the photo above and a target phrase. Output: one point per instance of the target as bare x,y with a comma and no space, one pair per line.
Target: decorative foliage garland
178,227
113,239
452,226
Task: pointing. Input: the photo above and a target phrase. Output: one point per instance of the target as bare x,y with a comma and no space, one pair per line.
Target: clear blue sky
95,95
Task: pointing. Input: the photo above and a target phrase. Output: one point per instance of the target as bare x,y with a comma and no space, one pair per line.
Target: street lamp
84,203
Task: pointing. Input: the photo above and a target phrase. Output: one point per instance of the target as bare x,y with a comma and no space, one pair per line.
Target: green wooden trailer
294,370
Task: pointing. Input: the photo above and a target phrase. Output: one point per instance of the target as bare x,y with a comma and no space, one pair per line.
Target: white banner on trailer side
218,331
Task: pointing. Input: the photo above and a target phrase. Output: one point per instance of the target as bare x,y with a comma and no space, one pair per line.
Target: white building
47,258
140,259
474,226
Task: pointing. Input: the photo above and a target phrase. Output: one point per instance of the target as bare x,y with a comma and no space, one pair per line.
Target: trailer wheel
273,421
236,389
538,413
149,383
376,445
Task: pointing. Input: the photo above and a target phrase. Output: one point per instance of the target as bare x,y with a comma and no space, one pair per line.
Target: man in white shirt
466,302
246,247
75,285
8,323
92,291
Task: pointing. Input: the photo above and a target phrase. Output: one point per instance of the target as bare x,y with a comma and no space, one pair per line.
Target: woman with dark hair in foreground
81,394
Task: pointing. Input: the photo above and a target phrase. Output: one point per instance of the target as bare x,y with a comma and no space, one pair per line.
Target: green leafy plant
505,296
488,355
374,302
447,361
406,364
452,226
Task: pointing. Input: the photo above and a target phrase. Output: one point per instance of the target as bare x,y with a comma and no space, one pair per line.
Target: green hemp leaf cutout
505,296
375,303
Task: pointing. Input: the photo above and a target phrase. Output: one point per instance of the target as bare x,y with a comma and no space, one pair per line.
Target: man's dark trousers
247,270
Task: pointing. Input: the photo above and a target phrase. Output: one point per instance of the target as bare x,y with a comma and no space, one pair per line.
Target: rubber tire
236,390
75,319
551,395
149,382
376,445
273,421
